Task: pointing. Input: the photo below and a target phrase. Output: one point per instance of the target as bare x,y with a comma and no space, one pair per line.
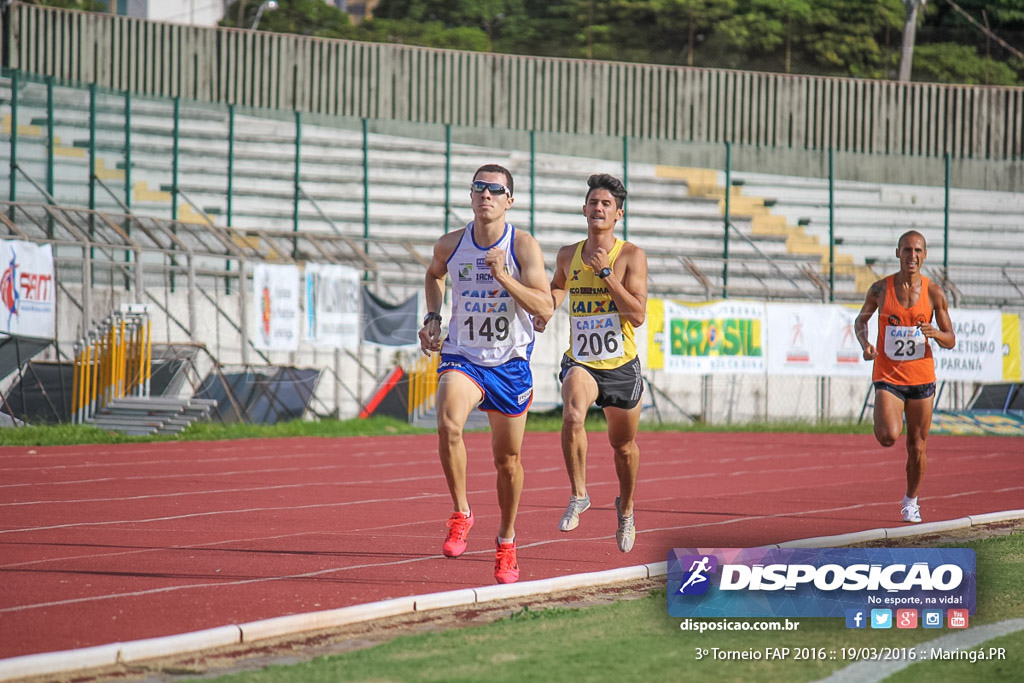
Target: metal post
92,191
231,163
447,174
945,223
231,186
366,194
175,153
366,182
128,149
297,188
243,311
533,181
92,156
831,226
49,140
127,172
174,162
13,189
625,181
725,246
193,321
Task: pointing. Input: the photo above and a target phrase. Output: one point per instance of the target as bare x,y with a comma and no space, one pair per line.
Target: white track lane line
334,570
874,671
424,477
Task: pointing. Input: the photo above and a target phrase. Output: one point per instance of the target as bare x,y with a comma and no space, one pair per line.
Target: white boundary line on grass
872,671
50,663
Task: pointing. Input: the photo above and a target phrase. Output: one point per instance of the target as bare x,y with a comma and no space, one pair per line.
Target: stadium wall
980,127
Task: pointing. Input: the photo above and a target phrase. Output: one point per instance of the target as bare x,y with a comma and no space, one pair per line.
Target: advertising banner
332,306
28,290
816,340
978,354
275,307
724,336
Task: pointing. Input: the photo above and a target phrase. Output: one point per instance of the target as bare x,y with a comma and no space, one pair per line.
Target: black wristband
431,316
604,272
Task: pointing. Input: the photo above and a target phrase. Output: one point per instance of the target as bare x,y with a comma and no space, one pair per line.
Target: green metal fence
399,183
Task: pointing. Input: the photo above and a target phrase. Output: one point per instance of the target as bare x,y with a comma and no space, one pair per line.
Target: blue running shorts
507,388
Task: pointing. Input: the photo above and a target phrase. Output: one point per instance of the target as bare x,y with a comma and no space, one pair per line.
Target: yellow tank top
598,337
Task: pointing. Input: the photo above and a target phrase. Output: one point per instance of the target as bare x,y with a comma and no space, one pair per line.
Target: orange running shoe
458,528
506,567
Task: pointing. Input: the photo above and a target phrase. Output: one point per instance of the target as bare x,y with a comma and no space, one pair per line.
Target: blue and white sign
851,583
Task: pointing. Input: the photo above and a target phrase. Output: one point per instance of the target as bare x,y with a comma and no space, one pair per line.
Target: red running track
111,544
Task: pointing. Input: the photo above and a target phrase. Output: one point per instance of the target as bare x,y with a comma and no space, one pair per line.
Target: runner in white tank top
487,327
498,282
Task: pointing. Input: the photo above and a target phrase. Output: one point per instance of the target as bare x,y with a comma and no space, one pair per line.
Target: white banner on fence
816,340
28,290
978,354
332,306
719,337
275,307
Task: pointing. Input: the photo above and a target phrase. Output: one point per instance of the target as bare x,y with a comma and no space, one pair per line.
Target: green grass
55,435
637,640
58,435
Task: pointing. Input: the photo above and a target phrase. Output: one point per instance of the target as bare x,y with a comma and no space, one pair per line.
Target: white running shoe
626,533
576,507
911,513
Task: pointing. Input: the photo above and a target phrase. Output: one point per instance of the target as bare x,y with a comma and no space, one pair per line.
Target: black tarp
42,394
999,397
260,394
390,324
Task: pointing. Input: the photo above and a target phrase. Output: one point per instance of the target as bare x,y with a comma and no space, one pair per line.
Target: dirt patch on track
307,646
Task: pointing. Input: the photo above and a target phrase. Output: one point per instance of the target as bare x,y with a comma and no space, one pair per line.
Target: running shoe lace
505,559
458,528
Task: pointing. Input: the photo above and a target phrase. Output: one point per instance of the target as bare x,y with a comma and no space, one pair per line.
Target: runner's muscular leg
888,417
457,396
919,423
579,391
507,443
622,428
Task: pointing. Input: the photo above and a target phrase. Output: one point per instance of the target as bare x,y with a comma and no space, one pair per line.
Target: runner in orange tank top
904,371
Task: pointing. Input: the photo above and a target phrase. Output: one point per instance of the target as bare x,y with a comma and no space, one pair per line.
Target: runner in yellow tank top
606,280
600,338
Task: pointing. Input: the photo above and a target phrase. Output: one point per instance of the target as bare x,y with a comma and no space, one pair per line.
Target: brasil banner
723,336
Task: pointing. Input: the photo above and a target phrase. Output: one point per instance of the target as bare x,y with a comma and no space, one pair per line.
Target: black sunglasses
494,188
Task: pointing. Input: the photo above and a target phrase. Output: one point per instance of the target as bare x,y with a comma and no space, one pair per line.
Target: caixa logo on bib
819,582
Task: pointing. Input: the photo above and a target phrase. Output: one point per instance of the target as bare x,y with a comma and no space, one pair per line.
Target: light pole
265,5
909,32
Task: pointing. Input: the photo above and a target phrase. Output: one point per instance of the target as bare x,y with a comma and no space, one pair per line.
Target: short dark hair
603,181
911,233
495,168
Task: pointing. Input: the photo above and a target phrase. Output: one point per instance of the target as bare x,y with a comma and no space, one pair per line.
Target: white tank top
487,326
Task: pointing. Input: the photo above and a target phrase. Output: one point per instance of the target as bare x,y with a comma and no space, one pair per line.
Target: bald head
911,233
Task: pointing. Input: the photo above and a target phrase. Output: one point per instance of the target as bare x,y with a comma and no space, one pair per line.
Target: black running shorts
910,392
619,387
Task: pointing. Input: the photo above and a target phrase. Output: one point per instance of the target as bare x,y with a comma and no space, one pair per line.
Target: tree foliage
836,37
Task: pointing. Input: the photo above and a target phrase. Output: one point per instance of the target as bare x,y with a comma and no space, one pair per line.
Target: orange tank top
904,355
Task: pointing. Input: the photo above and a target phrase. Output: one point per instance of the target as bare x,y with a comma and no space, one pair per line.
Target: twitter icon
881,618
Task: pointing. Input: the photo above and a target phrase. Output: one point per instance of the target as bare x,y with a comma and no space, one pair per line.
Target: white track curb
50,663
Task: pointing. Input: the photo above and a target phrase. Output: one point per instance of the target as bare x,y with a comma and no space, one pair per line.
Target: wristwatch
604,272
431,316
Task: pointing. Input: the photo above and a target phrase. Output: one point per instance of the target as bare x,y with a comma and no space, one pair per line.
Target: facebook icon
856,618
